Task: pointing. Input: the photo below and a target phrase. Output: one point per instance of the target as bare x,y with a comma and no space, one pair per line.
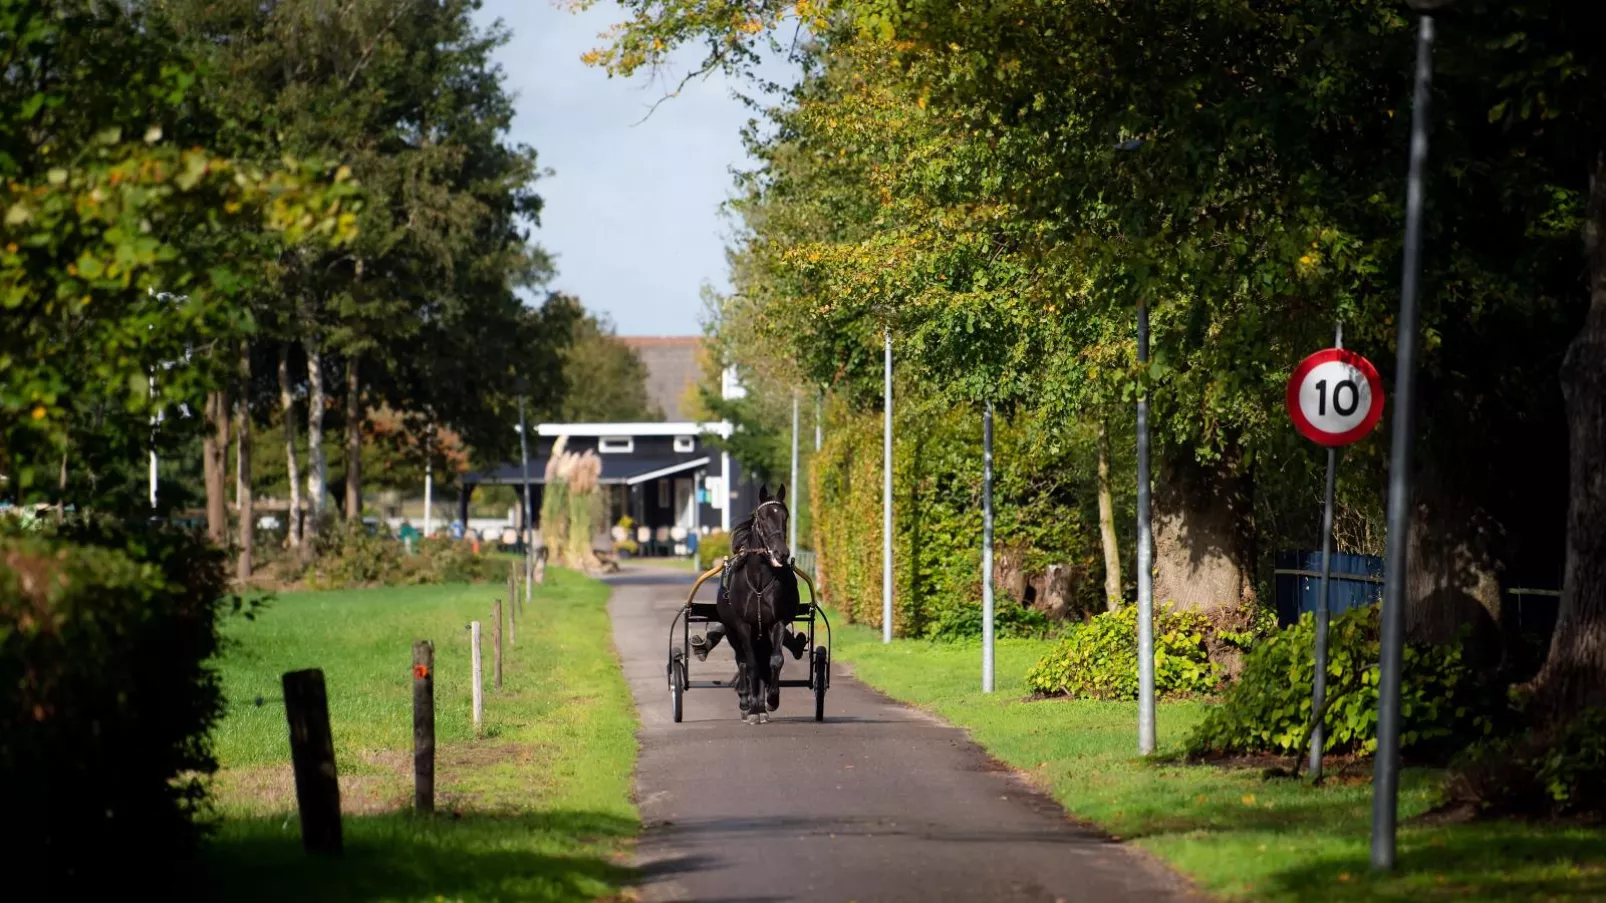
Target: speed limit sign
1335,397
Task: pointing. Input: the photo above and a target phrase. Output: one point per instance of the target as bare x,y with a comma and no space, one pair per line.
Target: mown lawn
1234,833
536,809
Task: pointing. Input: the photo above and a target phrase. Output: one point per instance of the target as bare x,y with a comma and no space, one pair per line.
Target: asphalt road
878,803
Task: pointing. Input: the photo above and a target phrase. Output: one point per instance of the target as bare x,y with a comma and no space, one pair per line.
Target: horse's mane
741,533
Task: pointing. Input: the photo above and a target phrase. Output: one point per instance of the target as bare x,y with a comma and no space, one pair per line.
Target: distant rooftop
672,368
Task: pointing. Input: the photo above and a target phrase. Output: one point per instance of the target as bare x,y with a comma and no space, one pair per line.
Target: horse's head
769,527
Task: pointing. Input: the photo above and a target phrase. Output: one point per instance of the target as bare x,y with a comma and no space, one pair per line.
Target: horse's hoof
763,718
772,704
751,719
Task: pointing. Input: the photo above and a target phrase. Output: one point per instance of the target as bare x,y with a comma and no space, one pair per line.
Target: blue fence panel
1354,580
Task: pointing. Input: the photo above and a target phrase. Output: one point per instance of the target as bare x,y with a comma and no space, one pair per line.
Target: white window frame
685,444
615,445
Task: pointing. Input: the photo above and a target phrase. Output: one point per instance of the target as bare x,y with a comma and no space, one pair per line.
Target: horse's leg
740,639
755,675
772,695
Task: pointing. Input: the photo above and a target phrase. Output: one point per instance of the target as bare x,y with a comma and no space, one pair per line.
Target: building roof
672,369
616,469
655,428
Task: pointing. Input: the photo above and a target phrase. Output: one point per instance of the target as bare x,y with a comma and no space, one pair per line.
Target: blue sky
632,210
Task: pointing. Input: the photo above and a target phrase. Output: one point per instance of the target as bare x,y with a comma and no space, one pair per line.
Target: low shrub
106,631
963,622
1558,770
1443,703
350,556
712,548
1098,659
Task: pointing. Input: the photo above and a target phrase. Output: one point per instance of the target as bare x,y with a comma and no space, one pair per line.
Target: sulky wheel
822,677
677,685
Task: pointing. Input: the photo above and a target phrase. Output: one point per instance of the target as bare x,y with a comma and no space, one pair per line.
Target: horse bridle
758,591
764,540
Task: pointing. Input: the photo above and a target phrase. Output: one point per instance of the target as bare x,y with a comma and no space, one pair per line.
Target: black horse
757,605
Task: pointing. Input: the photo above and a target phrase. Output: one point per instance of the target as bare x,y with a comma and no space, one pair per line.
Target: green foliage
937,517
1559,770
1443,702
1010,621
712,549
350,557
1098,659
107,695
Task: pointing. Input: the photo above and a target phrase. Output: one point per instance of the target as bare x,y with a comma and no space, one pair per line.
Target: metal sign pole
1386,767
886,494
987,549
1145,556
1318,695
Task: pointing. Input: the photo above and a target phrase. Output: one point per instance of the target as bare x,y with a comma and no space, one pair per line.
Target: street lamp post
886,492
526,534
791,522
156,413
1146,731
1145,555
1386,765
987,548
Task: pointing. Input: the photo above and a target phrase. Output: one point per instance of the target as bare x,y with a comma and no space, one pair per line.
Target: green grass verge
536,809
1233,832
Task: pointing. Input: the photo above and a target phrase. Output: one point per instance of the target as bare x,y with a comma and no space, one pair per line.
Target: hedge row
1043,510
105,635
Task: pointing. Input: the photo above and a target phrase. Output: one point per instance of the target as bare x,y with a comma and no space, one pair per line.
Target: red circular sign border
1309,431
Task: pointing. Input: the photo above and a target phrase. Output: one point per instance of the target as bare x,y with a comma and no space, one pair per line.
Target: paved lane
880,803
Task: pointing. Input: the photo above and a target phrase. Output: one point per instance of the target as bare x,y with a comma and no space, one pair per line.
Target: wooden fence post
479,684
423,727
512,617
312,753
496,644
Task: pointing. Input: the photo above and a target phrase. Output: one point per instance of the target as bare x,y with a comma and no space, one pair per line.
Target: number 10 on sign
1335,397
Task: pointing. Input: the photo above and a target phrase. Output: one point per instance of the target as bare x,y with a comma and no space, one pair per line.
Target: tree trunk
1112,551
1203,538
287,403
214,453
353,442
317,468
1453,579
242,466
1574,676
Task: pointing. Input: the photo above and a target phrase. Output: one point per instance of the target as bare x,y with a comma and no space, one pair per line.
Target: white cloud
632,210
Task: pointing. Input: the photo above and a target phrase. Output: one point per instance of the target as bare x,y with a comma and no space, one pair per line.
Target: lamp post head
1429,6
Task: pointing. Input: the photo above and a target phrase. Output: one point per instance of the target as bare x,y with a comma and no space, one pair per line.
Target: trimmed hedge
1042,507
1099,659
106,632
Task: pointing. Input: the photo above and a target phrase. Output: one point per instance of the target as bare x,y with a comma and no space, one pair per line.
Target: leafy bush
1559,771
105,635
1098,659
350,556
963,622
712,548
1267,710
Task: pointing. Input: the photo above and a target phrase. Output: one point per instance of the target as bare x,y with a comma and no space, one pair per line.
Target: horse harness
736,560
